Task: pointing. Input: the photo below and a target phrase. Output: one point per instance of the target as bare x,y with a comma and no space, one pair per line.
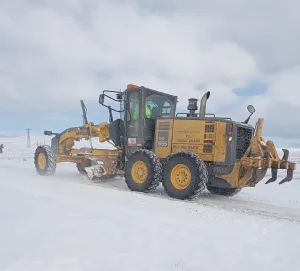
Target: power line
28,137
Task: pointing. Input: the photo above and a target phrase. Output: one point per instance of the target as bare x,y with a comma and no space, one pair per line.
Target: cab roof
132,86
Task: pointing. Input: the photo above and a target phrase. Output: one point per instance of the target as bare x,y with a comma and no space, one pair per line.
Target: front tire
185,176
143,171
45,160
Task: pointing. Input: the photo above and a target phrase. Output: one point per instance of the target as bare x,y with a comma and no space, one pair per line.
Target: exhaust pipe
202,110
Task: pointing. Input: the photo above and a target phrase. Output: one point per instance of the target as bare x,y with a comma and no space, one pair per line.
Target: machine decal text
185,147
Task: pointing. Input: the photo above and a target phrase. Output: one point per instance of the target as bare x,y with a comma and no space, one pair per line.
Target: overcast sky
55,52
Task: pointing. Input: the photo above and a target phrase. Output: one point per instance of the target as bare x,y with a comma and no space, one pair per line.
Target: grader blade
95,171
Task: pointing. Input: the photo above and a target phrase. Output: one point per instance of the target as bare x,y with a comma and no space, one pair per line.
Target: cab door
133,119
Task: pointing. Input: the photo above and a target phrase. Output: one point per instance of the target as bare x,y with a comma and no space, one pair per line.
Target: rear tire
229,192
143,171
185,176
45,160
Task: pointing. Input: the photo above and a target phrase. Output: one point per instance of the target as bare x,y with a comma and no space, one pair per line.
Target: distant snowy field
65,222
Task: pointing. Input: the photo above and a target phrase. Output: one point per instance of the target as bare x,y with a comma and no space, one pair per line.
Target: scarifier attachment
261,156
289,176
274,172
283,164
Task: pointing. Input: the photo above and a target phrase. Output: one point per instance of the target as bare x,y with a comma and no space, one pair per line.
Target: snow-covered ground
65,222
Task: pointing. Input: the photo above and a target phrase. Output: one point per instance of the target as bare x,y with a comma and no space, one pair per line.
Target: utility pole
28,137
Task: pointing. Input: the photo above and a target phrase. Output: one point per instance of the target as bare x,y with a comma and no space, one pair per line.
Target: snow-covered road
67,223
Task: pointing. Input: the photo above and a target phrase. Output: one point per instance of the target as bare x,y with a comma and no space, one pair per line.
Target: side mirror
251,109
101,99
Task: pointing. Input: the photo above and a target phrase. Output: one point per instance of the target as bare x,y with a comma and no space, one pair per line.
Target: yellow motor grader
152,144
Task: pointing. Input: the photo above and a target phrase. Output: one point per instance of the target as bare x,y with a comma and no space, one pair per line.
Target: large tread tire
154,169
228,192
199,176
50,160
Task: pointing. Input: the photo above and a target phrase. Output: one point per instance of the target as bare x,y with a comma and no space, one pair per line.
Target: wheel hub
181,176
139,172
42,161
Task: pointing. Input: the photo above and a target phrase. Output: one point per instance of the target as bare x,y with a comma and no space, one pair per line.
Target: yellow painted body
208,140
67,139
109,158
205,138
67,154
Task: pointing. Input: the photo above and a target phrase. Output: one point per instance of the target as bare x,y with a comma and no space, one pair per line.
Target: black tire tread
156,172
201,171
50,157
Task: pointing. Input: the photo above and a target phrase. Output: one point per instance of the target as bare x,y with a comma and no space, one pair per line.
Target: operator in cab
136,112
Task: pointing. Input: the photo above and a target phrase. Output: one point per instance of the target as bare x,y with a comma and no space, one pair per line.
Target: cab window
133,99
159,105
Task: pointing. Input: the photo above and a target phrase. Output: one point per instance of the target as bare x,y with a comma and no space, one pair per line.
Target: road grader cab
186,152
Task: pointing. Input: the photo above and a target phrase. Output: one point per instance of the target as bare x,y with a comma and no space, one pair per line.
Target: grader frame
147,145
